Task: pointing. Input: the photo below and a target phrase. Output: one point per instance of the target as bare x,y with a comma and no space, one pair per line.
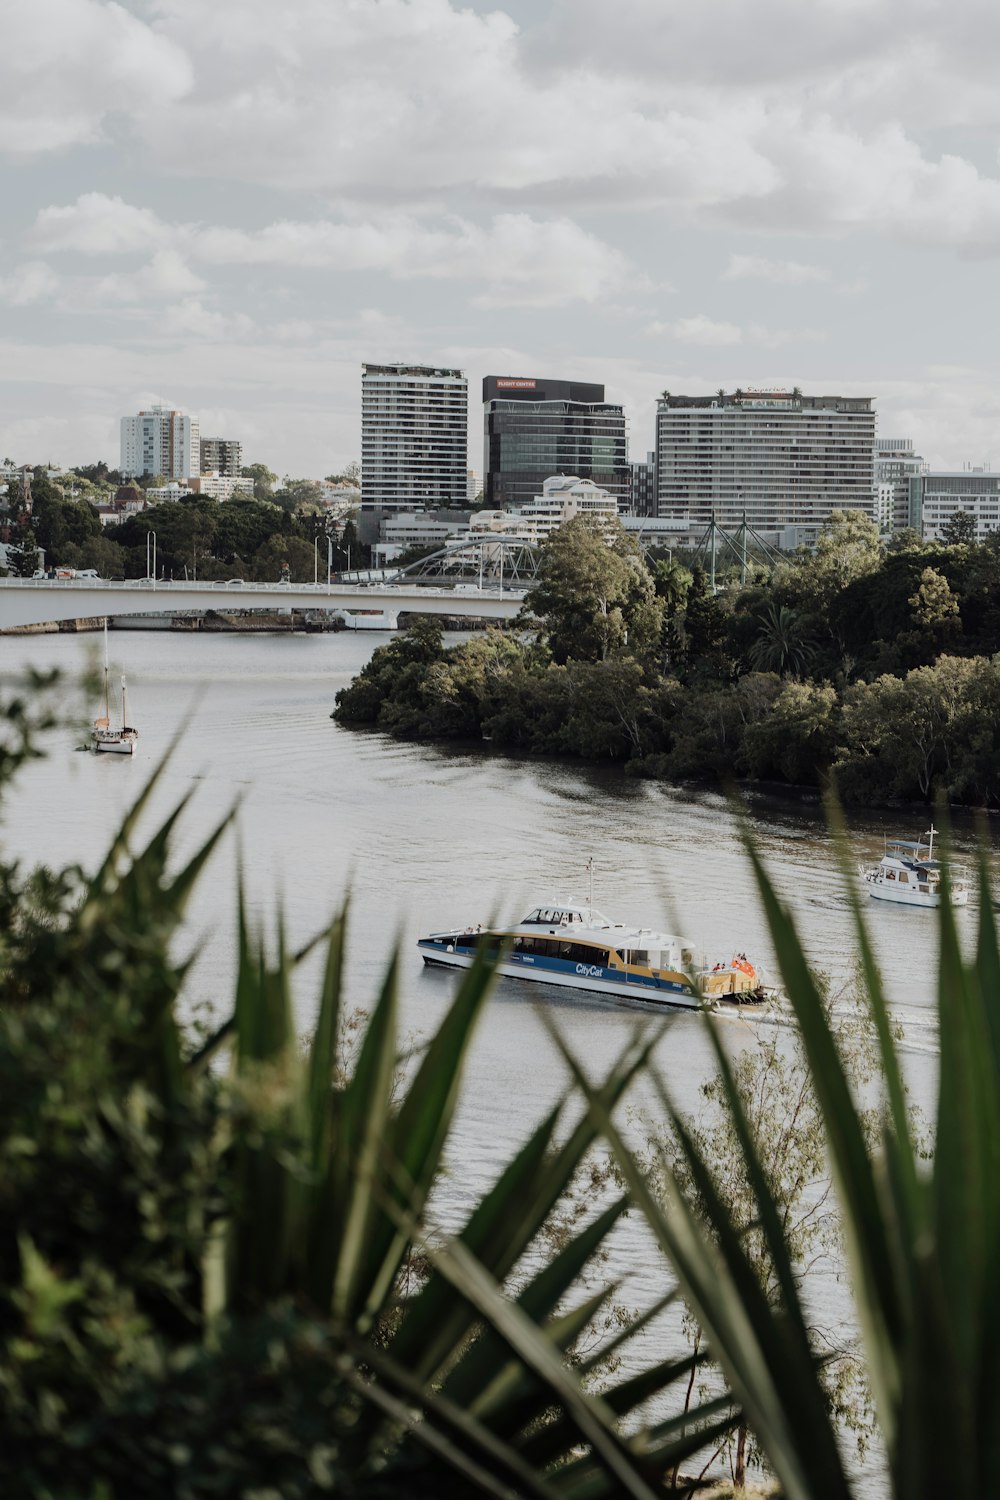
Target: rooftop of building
420,372
751,396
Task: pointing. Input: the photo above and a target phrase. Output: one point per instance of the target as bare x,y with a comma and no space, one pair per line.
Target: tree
959,530
934,605
784,1117
783,645
847,547
285,552
264,480
593,594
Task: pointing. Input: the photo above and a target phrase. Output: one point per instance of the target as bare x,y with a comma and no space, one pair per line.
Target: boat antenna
590,871
106,721
930,846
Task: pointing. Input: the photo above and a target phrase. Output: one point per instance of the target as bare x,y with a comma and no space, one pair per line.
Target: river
424,838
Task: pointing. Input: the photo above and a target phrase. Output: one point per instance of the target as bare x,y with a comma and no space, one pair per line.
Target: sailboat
117,741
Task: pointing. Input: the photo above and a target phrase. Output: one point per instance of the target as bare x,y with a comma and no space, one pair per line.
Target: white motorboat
577,948
909,874
113,739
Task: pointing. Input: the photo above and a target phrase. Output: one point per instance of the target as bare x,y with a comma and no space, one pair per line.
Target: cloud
782,272
33,281
520,260
710,334
71,64
97,224
775,116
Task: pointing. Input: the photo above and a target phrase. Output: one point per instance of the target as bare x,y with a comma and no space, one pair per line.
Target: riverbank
888,742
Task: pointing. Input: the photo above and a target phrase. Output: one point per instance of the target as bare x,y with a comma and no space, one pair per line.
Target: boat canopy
563,916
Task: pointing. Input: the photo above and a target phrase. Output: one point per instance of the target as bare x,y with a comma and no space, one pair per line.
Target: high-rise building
895,465
779,459
160,441
222,456
536,429
414,437
644,487
935,498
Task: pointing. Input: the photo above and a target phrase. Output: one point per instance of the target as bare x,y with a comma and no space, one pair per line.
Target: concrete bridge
41,601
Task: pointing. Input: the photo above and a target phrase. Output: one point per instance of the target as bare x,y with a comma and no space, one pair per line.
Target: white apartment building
780,459
895,465
222,486
160,441
414,437
563,498
415,529
935,497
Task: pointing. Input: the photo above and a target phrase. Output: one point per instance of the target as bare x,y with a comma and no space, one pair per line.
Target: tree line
261,539
875,668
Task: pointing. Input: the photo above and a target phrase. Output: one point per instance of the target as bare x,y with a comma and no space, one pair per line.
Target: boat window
890,874
904,879
638,956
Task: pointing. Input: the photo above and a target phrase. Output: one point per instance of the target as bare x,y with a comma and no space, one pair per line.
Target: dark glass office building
534,429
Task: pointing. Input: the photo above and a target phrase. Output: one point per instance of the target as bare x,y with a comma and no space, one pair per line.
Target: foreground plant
922,1238
220,1281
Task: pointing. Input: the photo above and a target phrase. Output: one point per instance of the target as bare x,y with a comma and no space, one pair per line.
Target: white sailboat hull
116,745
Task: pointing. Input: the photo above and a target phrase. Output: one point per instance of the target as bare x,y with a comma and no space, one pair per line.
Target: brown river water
426,838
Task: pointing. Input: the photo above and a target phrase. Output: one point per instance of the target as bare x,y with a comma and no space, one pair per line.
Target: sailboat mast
124,705
107,684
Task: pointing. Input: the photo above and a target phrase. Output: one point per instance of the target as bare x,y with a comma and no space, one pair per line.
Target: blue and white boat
578,948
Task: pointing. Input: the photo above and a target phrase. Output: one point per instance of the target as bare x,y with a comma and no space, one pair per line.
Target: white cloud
33,281
69,64
97,224
711,334
520,260
701,330
782,272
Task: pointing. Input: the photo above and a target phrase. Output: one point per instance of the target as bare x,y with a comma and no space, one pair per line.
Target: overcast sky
228,205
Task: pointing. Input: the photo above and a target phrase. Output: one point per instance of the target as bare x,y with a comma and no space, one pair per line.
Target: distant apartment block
643,501
160,441
414,437
895,465
536,429
222,486
937,496
780,459
222,456
563,498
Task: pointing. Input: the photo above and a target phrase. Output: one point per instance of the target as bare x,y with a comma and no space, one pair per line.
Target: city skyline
231,210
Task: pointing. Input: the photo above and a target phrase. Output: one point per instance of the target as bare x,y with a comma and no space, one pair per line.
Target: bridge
41,601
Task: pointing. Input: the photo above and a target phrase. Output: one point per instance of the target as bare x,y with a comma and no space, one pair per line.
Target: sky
229,205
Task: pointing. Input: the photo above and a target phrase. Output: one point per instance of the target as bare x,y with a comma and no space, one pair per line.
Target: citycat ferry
579,949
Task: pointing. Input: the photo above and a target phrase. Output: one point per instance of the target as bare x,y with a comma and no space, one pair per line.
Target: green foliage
593,595
248,538
959,530
924,1292
207,1280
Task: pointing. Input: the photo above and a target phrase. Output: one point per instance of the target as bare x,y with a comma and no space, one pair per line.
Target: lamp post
153,574
329,562
315,559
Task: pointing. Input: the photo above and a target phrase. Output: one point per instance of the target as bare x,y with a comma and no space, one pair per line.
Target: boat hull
593,980
114,744
880,891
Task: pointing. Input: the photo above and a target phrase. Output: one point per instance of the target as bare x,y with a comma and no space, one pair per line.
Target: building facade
563,498
160,441
222,456
534,429
937,496
780,459
643,502
895,465
414,437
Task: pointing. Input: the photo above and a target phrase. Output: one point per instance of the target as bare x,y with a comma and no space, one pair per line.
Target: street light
153,574
316,559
